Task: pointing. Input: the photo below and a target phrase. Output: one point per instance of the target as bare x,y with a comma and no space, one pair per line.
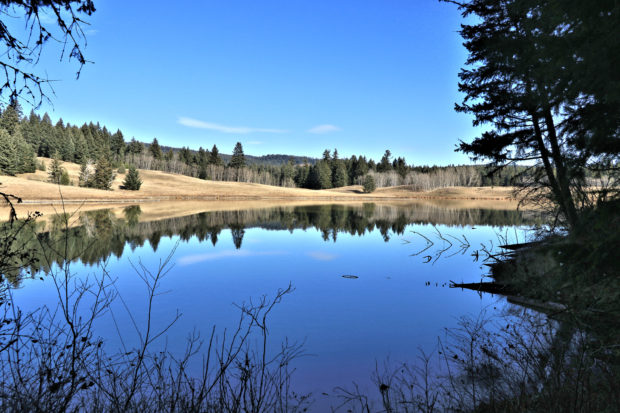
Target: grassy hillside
33,187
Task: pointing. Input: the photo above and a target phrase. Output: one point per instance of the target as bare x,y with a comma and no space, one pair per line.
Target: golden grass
159,187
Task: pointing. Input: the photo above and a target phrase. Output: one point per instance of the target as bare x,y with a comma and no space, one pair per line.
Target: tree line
100,151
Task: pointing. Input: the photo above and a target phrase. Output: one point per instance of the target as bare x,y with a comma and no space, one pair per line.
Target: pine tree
385,165
238,158
81,149
155,149
104,175
202,171
339,174
86,172
287,173
301,176
8,151
48,138
132,180
135,147
55,169
24,155
369,184
11,116
214,157
64,177
117,145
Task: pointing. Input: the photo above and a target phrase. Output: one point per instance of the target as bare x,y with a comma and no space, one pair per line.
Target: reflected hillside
94,236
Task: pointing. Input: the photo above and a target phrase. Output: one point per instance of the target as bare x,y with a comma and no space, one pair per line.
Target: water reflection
96,235
383,306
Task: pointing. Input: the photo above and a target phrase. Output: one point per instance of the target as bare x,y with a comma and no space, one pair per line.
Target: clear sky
293,77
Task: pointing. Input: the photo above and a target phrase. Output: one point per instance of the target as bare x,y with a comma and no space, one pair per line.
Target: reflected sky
347,324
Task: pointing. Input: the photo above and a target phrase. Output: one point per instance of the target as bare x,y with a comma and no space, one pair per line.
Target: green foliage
369,184
121,169
57,174
85,174
64,177
533,77
320,175
385,164
202,172
16,155
339,174
117,145
55,170
214,157
10,118
134,147
238,158
155,149
132,181
103,176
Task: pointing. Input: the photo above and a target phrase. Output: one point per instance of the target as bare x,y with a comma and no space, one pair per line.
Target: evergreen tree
135,147
400,166
533,77
103,176
287,173
132,180
86,172
30,131
339,174
385,164
326,155
324,173
25,156
48,138
214,157
202,171
81,153
64,177
55,169
301,176
11,116
8,153
155,149
117,145
369,184
238,158
361,167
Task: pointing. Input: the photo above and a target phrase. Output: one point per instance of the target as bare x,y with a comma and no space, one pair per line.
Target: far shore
172,190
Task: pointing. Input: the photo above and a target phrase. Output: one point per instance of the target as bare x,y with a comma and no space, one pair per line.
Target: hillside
34,188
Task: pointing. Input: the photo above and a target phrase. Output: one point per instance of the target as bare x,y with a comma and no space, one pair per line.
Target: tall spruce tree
103,176
132,180
155,149
532,76
214,157
385,165
55,169
8,153
238,158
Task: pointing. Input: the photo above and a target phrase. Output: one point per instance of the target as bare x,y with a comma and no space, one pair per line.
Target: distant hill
265,160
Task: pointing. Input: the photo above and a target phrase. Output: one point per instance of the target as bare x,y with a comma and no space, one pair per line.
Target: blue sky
291,77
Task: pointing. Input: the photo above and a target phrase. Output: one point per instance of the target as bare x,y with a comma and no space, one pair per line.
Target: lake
365,288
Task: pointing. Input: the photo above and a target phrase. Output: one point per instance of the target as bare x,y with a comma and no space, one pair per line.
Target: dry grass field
160,189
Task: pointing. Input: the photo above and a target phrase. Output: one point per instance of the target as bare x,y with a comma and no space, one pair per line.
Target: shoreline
58,201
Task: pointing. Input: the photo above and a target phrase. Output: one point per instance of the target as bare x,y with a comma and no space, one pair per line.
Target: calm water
397,304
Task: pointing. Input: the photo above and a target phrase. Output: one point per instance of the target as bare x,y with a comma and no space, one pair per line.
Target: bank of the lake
159,186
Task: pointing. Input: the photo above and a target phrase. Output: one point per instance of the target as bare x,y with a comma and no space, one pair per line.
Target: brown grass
33,188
